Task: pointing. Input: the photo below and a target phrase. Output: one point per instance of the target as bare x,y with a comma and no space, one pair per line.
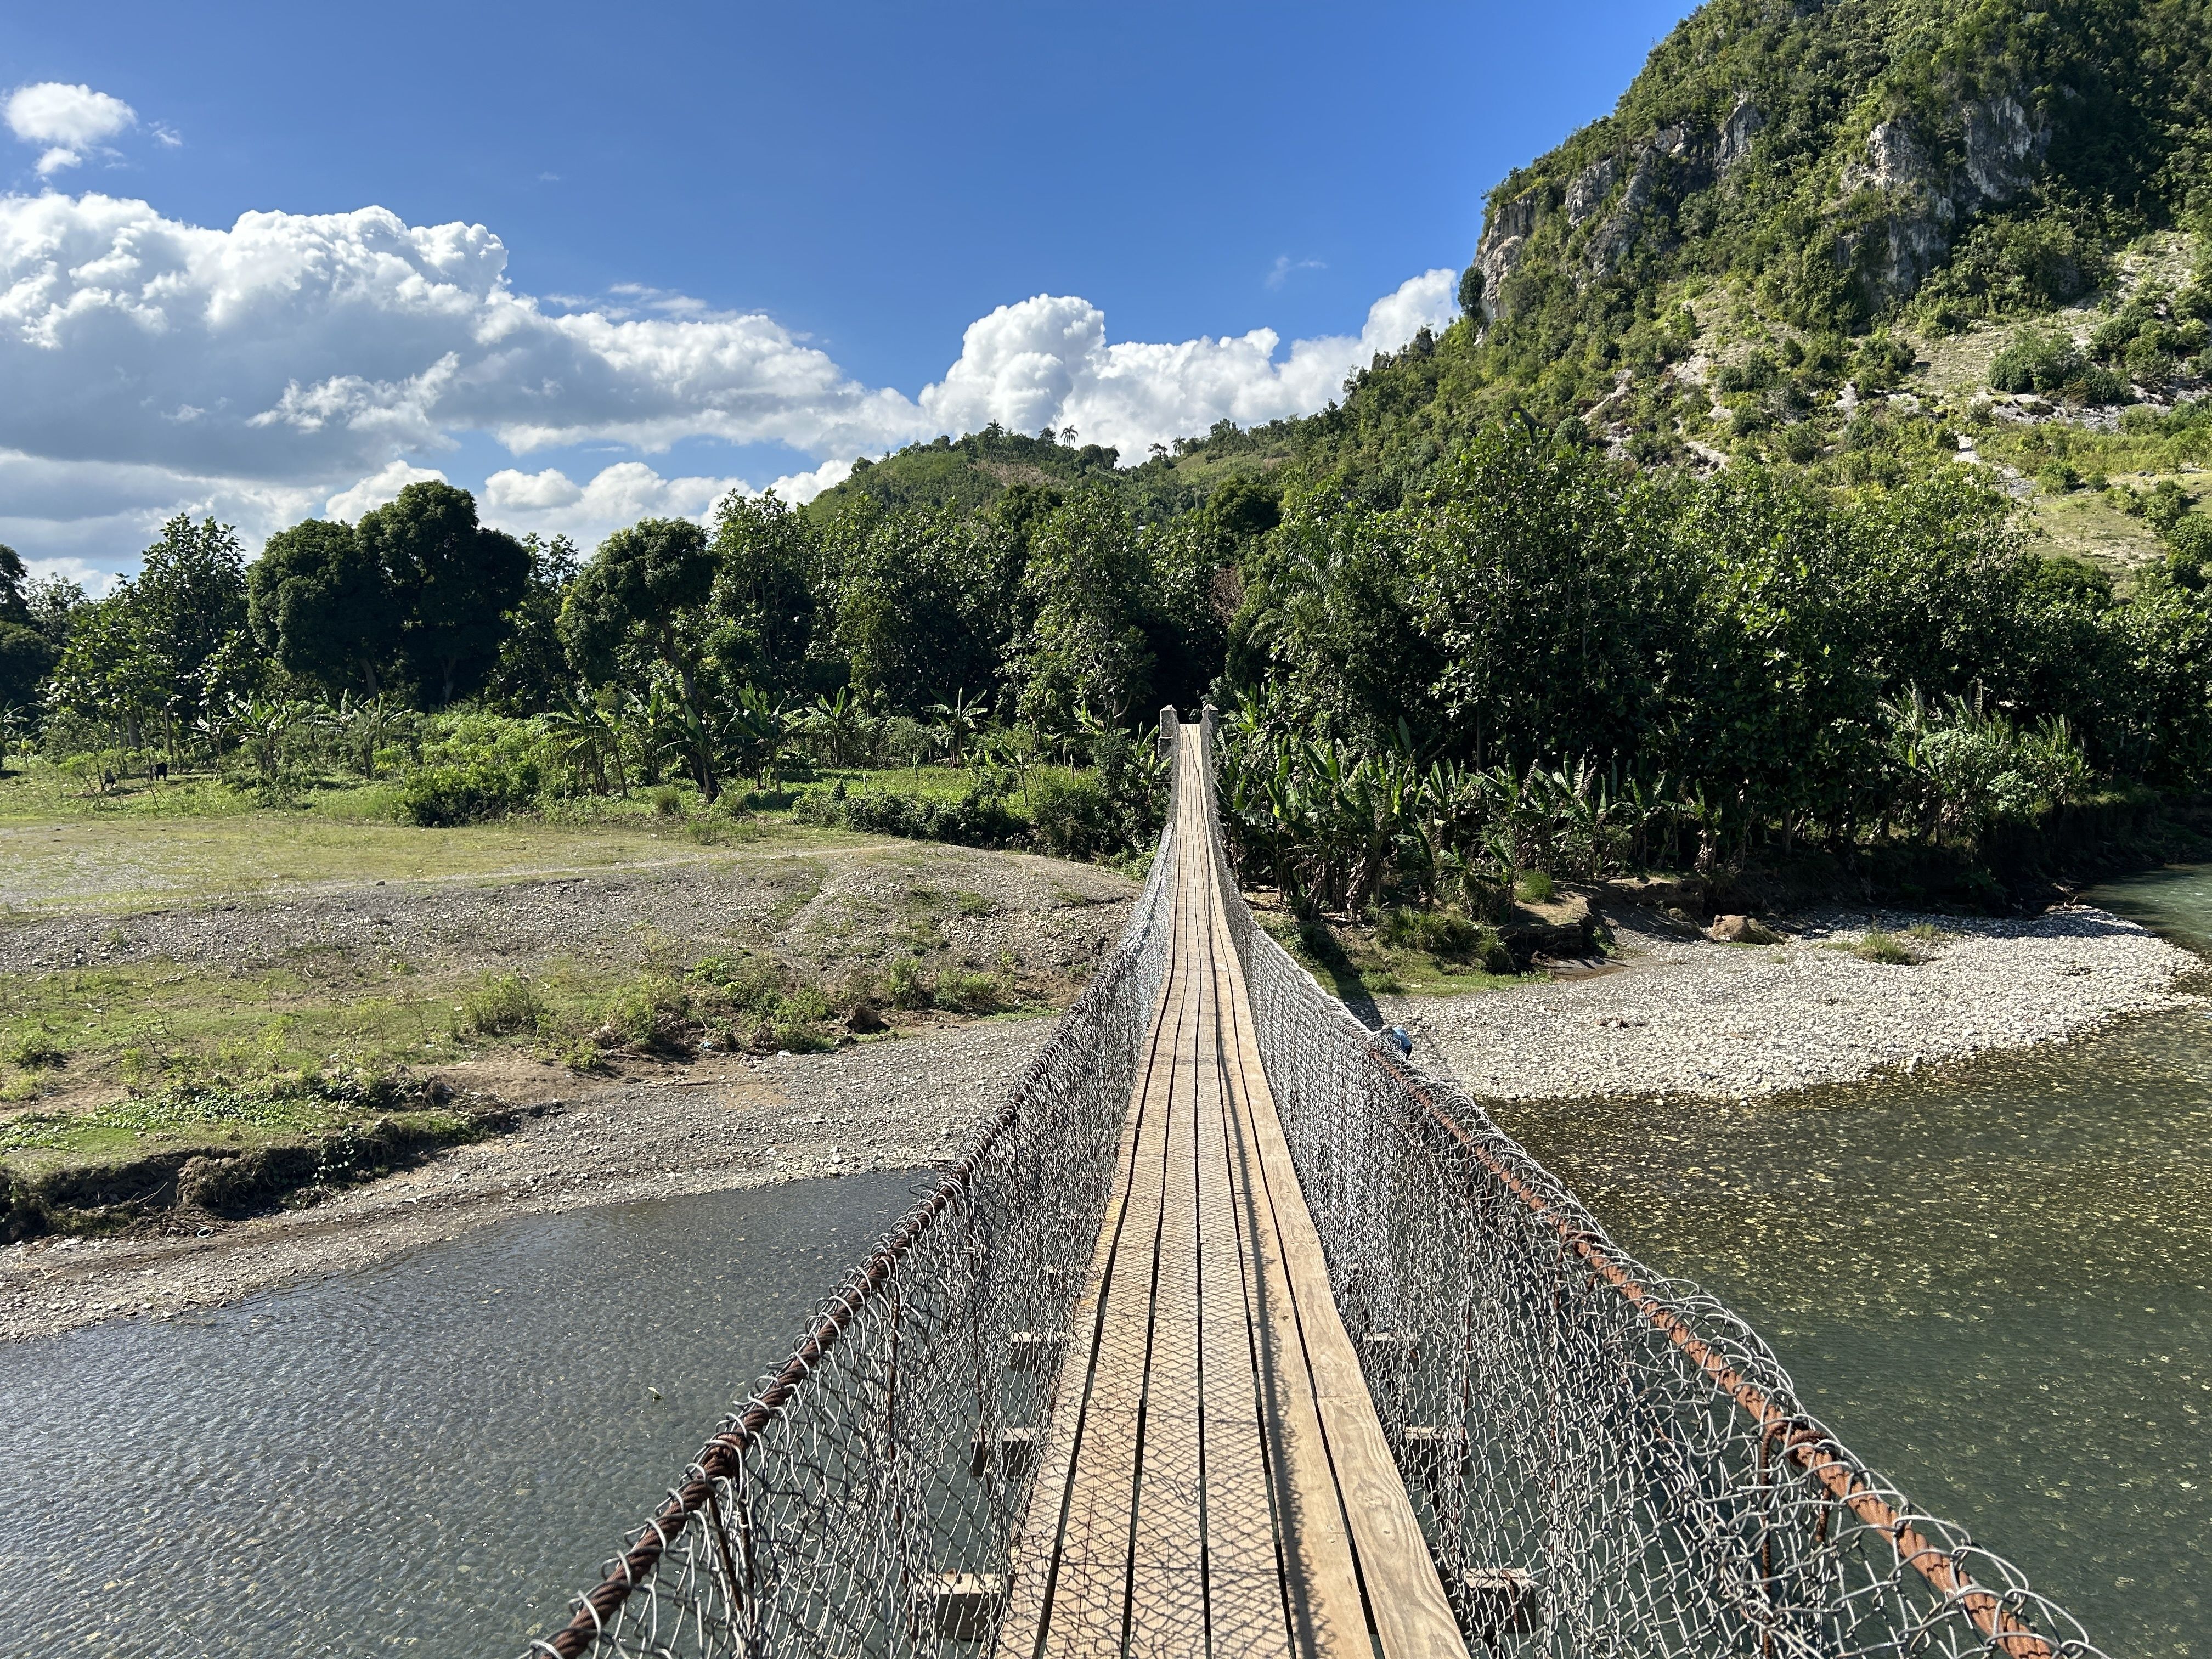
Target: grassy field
169,1052
155,844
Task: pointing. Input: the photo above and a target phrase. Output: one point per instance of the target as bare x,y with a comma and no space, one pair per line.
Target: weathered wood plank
1038,1556
1247,1613
1406,1600
1167,1573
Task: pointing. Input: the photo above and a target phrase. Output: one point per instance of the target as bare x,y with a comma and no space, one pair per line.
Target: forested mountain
1793,199
1742,491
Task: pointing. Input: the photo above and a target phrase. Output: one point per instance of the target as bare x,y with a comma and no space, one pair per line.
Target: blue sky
713,244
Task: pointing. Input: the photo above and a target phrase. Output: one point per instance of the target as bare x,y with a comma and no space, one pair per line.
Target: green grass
60,853
184,1113
1351,960
149,1024
1887,948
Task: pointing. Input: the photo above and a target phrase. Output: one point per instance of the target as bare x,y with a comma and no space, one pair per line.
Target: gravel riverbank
1675,1016
1682,1016
888,1105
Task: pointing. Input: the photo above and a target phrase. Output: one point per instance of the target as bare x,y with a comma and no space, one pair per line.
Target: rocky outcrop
1925,196
1590,188
1741,930
2005,148
1631,221
1505,238
1743,123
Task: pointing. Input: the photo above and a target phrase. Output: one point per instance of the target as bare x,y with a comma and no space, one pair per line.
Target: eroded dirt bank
899,1103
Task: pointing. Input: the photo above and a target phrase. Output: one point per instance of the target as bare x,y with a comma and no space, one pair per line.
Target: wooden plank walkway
1215,1480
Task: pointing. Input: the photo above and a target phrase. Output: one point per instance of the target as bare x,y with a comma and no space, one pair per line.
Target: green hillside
1811,236
1732,515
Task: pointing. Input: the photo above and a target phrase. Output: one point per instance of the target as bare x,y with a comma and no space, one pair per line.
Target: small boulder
1741,930
1557,927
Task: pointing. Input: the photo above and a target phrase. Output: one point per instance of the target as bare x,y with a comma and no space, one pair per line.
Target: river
1995,1283
427,1457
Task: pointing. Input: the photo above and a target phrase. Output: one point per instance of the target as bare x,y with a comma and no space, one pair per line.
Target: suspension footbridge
1234,1332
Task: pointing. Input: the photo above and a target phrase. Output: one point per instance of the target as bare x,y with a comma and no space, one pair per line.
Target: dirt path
817,905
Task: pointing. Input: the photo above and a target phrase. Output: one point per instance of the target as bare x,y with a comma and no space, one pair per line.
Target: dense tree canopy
454,581
324,609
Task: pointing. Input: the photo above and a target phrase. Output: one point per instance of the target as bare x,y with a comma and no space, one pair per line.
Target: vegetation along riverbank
1806,509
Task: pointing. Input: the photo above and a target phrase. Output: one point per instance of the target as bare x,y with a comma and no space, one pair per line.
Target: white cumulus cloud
553,504
381,486
1046,361
297,362
70,120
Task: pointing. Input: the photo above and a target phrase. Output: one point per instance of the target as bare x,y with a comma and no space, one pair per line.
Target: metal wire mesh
864,1500
1605,1462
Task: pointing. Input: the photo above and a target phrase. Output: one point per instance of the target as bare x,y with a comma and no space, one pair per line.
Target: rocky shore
1690,1016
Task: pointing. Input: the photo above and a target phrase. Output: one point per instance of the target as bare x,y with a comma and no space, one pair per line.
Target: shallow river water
1994,1283
427,1457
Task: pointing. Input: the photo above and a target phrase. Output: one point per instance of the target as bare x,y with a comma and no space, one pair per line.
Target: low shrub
441,797
652,1016
1073,814
907,985
502,1006
32,1048
1887,948
1534,887
742,983
961,991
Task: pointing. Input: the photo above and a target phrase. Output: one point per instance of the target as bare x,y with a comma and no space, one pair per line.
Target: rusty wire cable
1606,1462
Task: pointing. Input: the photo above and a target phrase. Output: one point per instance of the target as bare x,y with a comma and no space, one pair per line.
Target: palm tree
959,721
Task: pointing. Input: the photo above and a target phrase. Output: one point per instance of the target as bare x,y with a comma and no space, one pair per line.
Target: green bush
743,983
977,819
1534,887
2035,361
961,991
440,797
650,1015
1073,814
32,1048
503,1006
2166,506
907,985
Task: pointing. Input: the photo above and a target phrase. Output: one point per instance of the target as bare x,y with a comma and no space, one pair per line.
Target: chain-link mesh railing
864,1500
1606,1462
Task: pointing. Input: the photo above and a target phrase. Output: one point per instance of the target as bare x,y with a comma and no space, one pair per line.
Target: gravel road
1734,1021
816,907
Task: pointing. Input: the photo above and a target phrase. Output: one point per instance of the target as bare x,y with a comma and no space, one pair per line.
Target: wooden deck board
1214,1477
1247,1614
1167,1571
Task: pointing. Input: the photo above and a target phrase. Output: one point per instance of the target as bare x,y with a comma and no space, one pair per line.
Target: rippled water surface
1996,1285
427,1457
